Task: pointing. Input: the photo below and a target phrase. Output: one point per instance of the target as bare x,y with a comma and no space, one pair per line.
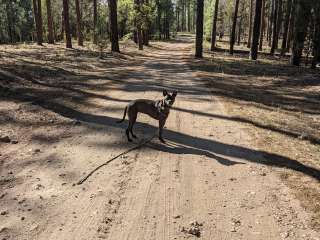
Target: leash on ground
114,158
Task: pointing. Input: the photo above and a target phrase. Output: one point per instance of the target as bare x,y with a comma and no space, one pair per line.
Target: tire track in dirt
157,199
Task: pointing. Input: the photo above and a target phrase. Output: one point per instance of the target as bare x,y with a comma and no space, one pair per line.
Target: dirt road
208,181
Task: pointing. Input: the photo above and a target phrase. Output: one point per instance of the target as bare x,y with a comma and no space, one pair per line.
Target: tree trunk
10,22
38,20
286,28
113,26
274,32
194,17
263,24
183,16
138,27
62,25
291,25
300,30
189,17
178,20
279,22
240,25
316,37
256,30
95,20
66,23
267,28
159,18
214,26
233,32
250,24
50,23
199,29
145,36
145,32
79,23
167,28
272,2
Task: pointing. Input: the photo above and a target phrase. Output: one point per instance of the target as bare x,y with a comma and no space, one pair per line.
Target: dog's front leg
162,122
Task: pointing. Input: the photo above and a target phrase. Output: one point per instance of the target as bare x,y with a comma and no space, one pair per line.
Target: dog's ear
174,94
165,93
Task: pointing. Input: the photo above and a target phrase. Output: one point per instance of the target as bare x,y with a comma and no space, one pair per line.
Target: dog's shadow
174,148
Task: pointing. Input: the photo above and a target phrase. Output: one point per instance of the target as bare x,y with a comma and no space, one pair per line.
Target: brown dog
159,110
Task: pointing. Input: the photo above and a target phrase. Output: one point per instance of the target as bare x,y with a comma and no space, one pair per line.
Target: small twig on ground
114,158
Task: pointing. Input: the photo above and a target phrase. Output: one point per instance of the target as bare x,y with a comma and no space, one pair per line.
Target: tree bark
113,26
145,32
10,22
189,17
291,25
240,24
67,23
256,30
183,16
274,31
50,23
250,24
38,20
286,28
279,22
95,20
272,2
138,26
62,25
214,26
234,25
159,18
316,37
199,29
263,24
302,14
79,23
178,20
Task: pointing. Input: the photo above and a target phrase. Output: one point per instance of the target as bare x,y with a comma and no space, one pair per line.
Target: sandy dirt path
207,180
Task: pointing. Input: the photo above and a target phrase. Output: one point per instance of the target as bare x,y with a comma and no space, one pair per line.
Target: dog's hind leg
132,115
131,128
127,133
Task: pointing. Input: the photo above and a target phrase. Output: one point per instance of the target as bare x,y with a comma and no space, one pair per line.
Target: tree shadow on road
193,145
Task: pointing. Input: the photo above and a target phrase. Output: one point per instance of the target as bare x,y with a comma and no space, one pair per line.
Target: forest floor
241,159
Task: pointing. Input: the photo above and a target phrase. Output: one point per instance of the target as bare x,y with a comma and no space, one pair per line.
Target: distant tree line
276,26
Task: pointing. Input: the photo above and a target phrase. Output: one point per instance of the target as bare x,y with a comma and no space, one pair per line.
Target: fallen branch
114,158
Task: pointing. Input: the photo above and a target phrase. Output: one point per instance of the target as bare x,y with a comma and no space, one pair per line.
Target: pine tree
67,23
79,23
300,30
256,30
114,25
214,26
233,32
38,20
199,29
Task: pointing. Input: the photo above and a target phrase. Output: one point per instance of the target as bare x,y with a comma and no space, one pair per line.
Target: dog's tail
124,115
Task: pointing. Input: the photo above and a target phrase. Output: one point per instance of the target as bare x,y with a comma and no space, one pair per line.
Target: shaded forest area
272,26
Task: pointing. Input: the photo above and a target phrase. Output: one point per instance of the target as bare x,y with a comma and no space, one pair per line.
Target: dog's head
169,98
